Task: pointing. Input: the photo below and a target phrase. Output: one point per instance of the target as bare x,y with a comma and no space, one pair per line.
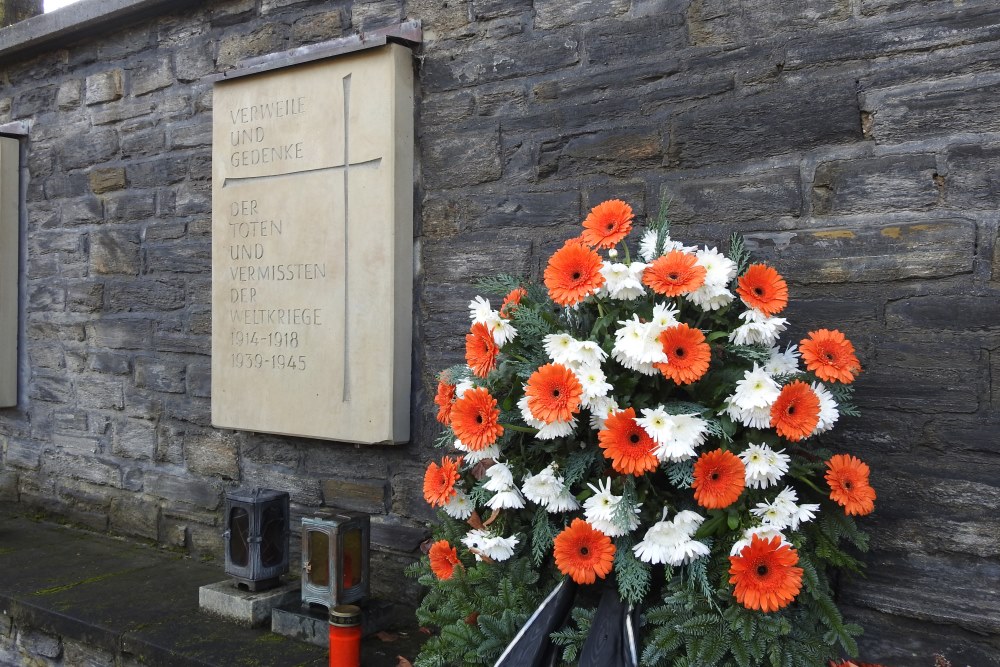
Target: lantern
256,537
335,558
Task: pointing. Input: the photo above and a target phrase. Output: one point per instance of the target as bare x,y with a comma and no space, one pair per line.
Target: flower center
714,475
611,226
479,419
673,276
790,410
829,356
848,485
584,551
555,393
759,291
679,352
576,275
762,570
634,438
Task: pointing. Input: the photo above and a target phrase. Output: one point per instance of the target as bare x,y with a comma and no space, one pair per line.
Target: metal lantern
335,558
256,537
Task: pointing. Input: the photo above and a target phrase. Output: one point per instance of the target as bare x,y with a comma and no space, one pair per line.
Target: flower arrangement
634,422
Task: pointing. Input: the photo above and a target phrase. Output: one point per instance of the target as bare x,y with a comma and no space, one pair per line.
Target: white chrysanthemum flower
500,478
484,543
612,253
758,329
829,412
472,457
690,430
806,512
621,282
778,513
664,316
543,487
509,499
529,419
762,532
559,347
647,245
463,387
600,410
557,429
594,382
612,529
503,331
480,311
633,365
719,271
750,417
639,341
670,543
564,502
783,363
657,424
757,389
459,506
708,297
601,506
588,353
764,466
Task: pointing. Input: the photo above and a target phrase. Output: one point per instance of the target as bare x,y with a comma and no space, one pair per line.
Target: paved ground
125,598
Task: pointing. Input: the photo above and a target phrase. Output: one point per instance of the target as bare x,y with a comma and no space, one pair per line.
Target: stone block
360,495
301,489
615,152
317,27
498,61
114,252
246,608
453,160
901,182
33,101
39,643
711,202
551,14
104,87
871,252
21,453
160,375
120,110
193,62
935,108
199,376
8,493
212,453
242,44
109,362
135,515
193,135
389,533
149,77
613,42
179,258
119,334
163,170
43,297
83,655
184,490
950,312
84,297
96,392
376,13
64,465
68,95
483,254
134,439
51,386
107,179
771,120
140,139
142,294
491,9
973,177
130,205
89,148
722,22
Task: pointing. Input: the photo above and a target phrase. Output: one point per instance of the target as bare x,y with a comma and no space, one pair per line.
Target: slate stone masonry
854,142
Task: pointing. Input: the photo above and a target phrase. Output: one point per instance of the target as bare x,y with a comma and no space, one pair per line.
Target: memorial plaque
9,198
312,238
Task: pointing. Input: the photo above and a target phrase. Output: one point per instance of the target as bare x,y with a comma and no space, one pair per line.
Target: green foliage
633,575
738,253
572,637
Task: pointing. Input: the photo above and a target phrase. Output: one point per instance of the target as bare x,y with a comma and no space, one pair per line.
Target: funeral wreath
635,425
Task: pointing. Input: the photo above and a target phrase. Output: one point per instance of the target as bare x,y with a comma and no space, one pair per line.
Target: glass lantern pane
351,555
319,554
239,534
272,545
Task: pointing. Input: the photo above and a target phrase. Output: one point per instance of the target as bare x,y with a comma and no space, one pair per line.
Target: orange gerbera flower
795,413
512,301
607,224
848,480
687,352
830,356
481,350
574,272
719,479
674,274
444,559
763,288
583,552
627,444
439,481
444,398
474,419
553,393
765,574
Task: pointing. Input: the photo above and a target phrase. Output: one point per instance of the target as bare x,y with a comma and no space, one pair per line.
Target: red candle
345,636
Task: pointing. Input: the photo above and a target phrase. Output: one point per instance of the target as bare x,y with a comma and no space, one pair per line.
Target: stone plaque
312,241
9,198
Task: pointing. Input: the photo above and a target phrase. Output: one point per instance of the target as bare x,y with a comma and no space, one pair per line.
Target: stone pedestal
247,608
312,623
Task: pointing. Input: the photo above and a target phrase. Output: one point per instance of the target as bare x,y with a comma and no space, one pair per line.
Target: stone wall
854,142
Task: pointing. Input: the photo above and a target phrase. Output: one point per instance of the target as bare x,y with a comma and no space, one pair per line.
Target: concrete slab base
247,608
312,623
